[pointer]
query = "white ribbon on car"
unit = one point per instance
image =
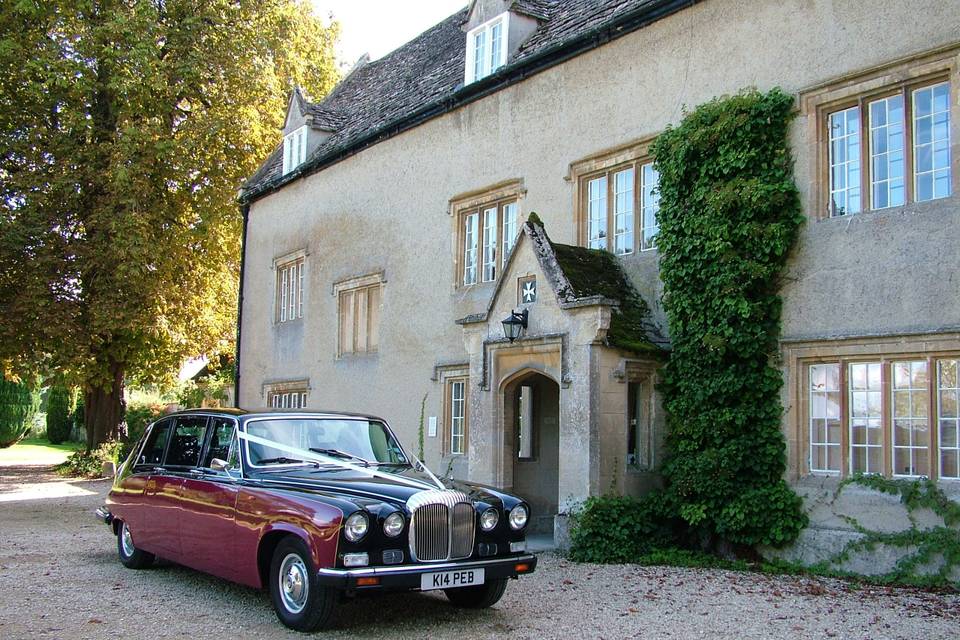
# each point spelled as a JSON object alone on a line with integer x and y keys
{"x": 306, "y": 454}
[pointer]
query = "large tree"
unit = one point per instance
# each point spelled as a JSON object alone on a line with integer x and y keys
{"x": 126, "y": 128}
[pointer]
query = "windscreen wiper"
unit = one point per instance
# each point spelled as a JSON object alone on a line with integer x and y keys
{"x": 283, "y": 460}
{"x": 340, "y": 454}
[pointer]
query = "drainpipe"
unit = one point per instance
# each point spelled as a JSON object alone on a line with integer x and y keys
{"x": 245, "y": 212}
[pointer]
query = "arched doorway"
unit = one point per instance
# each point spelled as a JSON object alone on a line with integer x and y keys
{"x": 532, "y": 444}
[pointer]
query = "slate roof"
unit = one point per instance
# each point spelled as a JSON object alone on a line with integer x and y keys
{"x": 592, "y": 276}
{"x": 424, "y": 77}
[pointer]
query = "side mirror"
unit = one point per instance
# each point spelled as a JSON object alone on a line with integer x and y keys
{"x": 219, "y": 465}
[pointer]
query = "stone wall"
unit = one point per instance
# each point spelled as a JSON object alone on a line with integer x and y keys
{"x": 839, "y": 518}
{"x": 387, "y": 209}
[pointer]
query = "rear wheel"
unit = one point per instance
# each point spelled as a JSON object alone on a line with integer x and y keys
{"x": 480, "y": 597}
{"x": 130, "y": 556}
{"x": 300, "y": 601}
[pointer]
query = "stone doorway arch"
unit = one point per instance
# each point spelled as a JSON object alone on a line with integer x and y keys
{"x": 531, "y": 437}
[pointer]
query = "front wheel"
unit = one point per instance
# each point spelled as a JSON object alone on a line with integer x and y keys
{"x": 301, "y": 603}
{"x": 130, "y": 556}
{"x": 479, "y": 597}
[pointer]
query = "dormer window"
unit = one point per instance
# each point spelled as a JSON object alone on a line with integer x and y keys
{"x": 487, "y": 48}
{"x": 294, "y": 149}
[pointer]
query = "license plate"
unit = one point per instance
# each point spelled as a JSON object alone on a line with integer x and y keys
{"x": 451, "y": 579}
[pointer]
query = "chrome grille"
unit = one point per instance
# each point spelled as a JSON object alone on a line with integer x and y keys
{"x": 461, "y": 527}
{"x": 442, "y": 526}
{"x": 431, "y": 535}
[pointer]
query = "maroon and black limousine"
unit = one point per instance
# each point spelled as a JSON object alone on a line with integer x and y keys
{"x": 314, "y": 506}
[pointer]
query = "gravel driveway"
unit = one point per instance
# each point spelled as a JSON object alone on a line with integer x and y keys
{"x": 59, "y": 578}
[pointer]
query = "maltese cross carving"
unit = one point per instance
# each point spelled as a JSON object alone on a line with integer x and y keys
{"x": 528, "y": 290}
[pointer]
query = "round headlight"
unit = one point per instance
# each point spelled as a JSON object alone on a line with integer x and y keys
{"x": 393, "y": 525}
{"x": 356, "y": 526}
{"x": 518, "y": 517}
{"x": 489, "y": 519}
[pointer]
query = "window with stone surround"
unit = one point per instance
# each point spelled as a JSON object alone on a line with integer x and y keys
{"x": 456, "y": 415}
{"x": 358, "y": 314}
{"x": 884, "y": 137}
{"x": 895, "y": 415}
{"x": 487, "y": 227}
{"x": 288, "y": 299}
{"x": 287, "y": 395}
{"x": 617, "y": 199}
{"x": 287, "y": 399}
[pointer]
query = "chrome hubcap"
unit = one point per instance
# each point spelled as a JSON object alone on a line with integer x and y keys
{"x": 126, "y": 540}
{"x": 294, "y": 584}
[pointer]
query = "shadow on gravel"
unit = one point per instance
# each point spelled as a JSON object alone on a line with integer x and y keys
{"x": 13, "y": 477}
{"x": 424, "y": 611}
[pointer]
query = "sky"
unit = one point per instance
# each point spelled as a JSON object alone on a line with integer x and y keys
{"x": 378, "y": 27}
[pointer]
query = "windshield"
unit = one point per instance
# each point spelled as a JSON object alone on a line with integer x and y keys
{"x": 354, "y": 441}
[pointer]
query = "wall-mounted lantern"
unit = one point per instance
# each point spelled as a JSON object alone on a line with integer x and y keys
{"x": 514, "y": 325}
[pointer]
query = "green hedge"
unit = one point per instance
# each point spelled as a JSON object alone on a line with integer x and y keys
{"x": 19, "y": 402}
{"x": 59, "y": 414}
{"x": 619, "y": 529}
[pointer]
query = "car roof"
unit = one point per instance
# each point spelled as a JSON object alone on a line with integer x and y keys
{"x": 247, "y": 414}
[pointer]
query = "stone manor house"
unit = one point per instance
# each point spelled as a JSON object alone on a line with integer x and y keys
{"x": 389, "y": 235}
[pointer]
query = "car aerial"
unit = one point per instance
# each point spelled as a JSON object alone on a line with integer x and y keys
{"x": 316, "y": 507}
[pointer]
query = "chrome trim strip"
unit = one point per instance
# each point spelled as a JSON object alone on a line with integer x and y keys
{"x": 422, "y": 568}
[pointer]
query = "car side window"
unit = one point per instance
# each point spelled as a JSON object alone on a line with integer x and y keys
{"x": 152, "y": 453}
{"x": 220, "y": 440}
{"x": 187, "y": 441}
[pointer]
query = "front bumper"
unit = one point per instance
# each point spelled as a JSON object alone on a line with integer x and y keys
{"x": 408, "y": 576}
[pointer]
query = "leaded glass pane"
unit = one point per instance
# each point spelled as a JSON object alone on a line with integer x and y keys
{"x": 824, "y": 414}
{"x": 910, "y": 424}
{"x": 283, "y": 294}
{"x": 623, "y": 211}
{"x": 470, "y": 248}
{"x": 886, "y": 152}
{"x": 479, "y": 54}
{"x": 931, "y": 141}
{"x": 948, "y": 464}
{"x": 509, "y": 230}
{"x": 844, "y": 129}
{"x": 597, "y": 213}
{"x": 866, "y": 436}
{"x": 948, "y": 399}
{"x": 457, "y": 416}
{"x": 489, "y": 244}
{"x": 650, "y": 205}
{"x": 496, "y": 44}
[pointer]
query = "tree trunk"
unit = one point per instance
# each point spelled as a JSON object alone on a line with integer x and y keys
{"x": 104, "y": 409}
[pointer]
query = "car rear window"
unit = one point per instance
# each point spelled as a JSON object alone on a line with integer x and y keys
{"x": 156, "y": 442}
{"x": 187, "y": 441}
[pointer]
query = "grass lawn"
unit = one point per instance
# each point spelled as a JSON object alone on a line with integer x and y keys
{"x": 37, "y": 451}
